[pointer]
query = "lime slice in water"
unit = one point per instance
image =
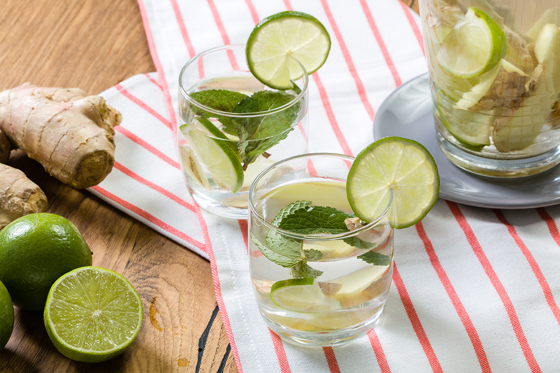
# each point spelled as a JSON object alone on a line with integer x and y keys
{"x": 215, "y": 152}
{"x": 301, "y": 295}
{"x": 92, "y": 314}
{"x": 401, "y": 165}
{"x": 474, "y": 46}
{"x": 278, "y": 42}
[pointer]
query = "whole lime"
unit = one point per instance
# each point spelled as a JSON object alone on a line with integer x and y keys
{"x": 6, "y": 316}
{"x": 35, "y": 250}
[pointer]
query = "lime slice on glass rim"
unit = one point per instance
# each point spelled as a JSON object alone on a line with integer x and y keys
{"x": 280, "y": 41}
{"x": 92, "y": 314}
{"x": 301, "y": 295}
{"x": 394, "y": 164}
{"x": 474, "y": 46}
{"x": 214, "y": 151}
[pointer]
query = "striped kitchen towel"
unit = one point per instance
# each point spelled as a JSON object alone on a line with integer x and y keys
{"x": 473, "y": 289}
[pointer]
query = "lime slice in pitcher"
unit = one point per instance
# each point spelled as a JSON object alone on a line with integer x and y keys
{"x": 301, "y": 295}
{"x": 278, "y": 42}
{"x": 474, "y": 46}
{"x": 394, "y": 164}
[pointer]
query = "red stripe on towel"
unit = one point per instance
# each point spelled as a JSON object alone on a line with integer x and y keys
{"x": 182, "y": 28}
{"x": 413, "y": 25}
{"x": 153, "y": 186}
{"x": 459, "y": 308}
{"x": 244, "y": 232}
{"x": 147, "y": 146}
{"x": 149, "y": 217}
{"x": 331, "y": 359}
{"x": 349, "y": 61}
{"x": 155, "y": 82}
{"x": 475, "y": 245}
{"x": 143, "y": 105}
{"x": 381, "y": 43}
{"x": 223, "y": 33}
{"x": 533, "y": 263}
{"x": 415, "y": 321}
{"x": 280, "y": 352}
{"x": 378, "y": 350}
{"x": 551, "y": 224}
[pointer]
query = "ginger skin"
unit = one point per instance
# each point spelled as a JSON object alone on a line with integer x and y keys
{"x": 69, "y": 133}
{"x": 18, "y": 195}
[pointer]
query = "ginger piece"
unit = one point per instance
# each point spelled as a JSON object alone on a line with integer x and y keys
{"x": 520, "y": 128}
{"x": 554, "y": 116}
{"x": 5, "y": 148}
{"x": 18, "y": 195}
{"x": 69, "y": 133}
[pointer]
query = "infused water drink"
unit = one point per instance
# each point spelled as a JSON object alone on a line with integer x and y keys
{"x": 232, "y": 127}
{"x": 320, "y": 275}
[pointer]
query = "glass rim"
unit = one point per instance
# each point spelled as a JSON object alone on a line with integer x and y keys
{"x": 238, "y": 115}
{"x": 320, "y": 236}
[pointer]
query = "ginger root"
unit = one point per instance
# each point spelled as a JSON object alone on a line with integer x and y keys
{"x": 68, "y": 133}
{"x": 18, "y": 195}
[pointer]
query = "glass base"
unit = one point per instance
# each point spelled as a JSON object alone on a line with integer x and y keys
{"x": 326, "y": 338}
{"x": 499, "y": 168}
{"x": 219, "y": 209}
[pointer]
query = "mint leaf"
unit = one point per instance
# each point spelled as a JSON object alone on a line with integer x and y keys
{"x": 302, "y": 270}
{"x": 289, "y": 209}
{"x": 260, "y": 133}
{"x": 284, "y": 260}
{"x": 315, "y": 219}
{"x": 359, "y": 244}
{"x": 312, "y": 255}
{"x": 286, "y": 246}
{"x": 375, "y": 258}
{"x": 218, "y": 99}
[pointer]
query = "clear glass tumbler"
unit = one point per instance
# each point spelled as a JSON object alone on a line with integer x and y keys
{"x": 233, "y": 127}
{"x": 494, "y": 67}
{"x": 316, "y": 287}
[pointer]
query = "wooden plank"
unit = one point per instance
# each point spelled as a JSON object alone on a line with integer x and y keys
{"x": 95, "y": 45}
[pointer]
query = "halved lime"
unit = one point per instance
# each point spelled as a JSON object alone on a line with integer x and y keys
{"x": 401, "y": 165}
{"x": 214, "y": 151}
{"x": 301, "y": 295}
{"x": 279, "y": 41}
{"x": 474, "y": 46}
{"x": 92, "y": 314}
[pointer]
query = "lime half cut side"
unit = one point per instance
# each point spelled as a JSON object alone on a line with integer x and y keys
{"x": 92, "y": 314}
{"x": 474, "y": 46}
{"x": 215, "y": 154}
{"x": 401, "y": 165}
{"x": 280, "y": 41}
{"x": 301, "y": 295}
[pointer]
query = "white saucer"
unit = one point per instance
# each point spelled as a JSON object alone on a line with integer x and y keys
{"x": 407, "y": 112}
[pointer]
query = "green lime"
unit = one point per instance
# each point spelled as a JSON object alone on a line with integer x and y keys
{"x": 278, "y": 42}
{"x": 92, "y": 314}
{"x": 394, "y": 164}
{"x": 471, "y": 128}
{"x": 6, "y": 316}
{"x": 301, "y": 295}
{"x": 35, "y": 250}
{"x": 474, "y": 46}
{"x": 214, "y": 151}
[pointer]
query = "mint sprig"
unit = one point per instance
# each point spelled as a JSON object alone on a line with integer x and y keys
{"x": 301, "y": 217}
{"x": 257, "y": 134}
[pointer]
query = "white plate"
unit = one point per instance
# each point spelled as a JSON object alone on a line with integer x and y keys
{"x": 407, "y": 112}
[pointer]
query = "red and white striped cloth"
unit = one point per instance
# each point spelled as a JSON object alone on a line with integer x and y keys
{"x": 473, "y": 289}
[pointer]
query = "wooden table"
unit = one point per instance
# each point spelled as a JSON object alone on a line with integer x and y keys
{"x": 72, "y": 43}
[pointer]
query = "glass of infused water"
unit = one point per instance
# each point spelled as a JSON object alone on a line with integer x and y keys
{"x": 494, "y": 69}
{"x": 233, "y": 126}
{"x": 320, "y": 274}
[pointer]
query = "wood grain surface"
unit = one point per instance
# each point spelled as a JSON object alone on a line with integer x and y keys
{"x": 71, "y": 43}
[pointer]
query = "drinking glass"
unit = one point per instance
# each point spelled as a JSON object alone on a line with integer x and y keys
{"x": 505, "y": 120}
{"x": 353, "y": 269}
{"x": 222, "y": 151}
